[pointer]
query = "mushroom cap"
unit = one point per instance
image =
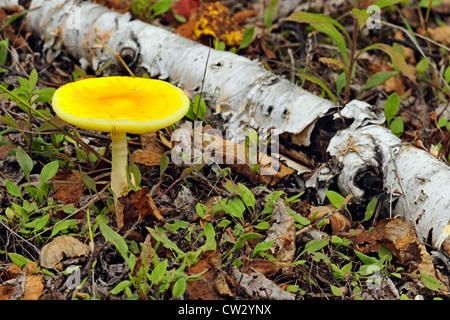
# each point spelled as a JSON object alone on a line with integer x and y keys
{"x": 120, "y": 104}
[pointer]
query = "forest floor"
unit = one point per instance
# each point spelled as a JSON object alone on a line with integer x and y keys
{"x": 215, "y": 232}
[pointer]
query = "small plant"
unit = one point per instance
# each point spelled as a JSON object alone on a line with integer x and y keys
{"x": 395, "y": 123}
{"x": 149, "y": 275}
{"x": 341, "y": 37}
{"x": 147, "y": 10}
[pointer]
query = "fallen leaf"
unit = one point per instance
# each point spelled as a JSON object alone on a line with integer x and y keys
{"x": 151, "y": 152}
{"x": 63, "y": 246}
{"x": 339, "y": 222}
{"x": 257, "y": 286}
{"x": 439, "y": 34}
{"x": 137, "y": 205}
{"x": 185, "y": 7}
{"x": 212, "y": 285}
{"x": 33, "y": 287}
{"x": 269, "y": 269}
{"x": 22, "y": 287}
{"x": 236, "y": 156}
{"x": 5, "y": 149}
{"x": 401, "y": 239}
{"x": 408, "y": 53}
{"x": 69, "y": 192}
{"x": 282, "y": 231}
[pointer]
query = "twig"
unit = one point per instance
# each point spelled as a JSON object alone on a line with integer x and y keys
{"x": 310, "y": 226}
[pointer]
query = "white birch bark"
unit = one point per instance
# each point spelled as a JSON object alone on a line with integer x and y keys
{"x": 417, "y": 185}
{"x": 9, "y": 3}
{"x": 252, "y": 96}
{"x": 242, "y": 89}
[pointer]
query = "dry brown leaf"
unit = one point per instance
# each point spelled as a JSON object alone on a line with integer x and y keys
{"x": 401, "y": 239}
{"x": 440, "y": 34}
{"x": 236, "y": 156}
{"x": 151, "y": 152}
{"x": 137, "y": 204}
{"x": 63, "y": 246}
{"x": 270, "y": 269}
{"x": 339, "y": 222}
{"x": 33, "y": 287}
{"x": 212, "y": 285}
{"x": 69, "y": 192}
{"x": 282, "y": 231}
{"x": 407, "y": 52}
{"x": 257, "y": 286}
{"x": 394, "y": 84}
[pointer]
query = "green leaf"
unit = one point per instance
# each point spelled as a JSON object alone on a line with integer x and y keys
{"x": 262, "y": 246}
{"x": 159, "y": 272}
{"x": 432, "y": 283}
{"x": 422, "y": 65}
{"x": 335, "y": 64}
{"x": 332, "y": 32}
{"x": 247, "y": 37}
{"x": 179, "y": 287}
{"x": 243, "y": 239}
{"x": 25, "y": 161}
{"x": 362, "y": 16}
{"x": 197, "y": 108}
{"x": 316, "y": 18}
{"x": 4, "y": 51}
{"x": 45, "y": 94}
{"x": 396, "y": 57}
{"x": 397, "y": 126}
{"x": 370, "y": 209}
{"x": 64, "y": 225}
{"x": 366, "y": 259}
{"x": 263, "y": 225}
{"x": 13, "y": 189}
{"x": 377, "y": 79}
{"x": 201, "y": 210}
{"x": 320, "y": 83}
{"x": 89, "y": 182}
{"x": 121, "y": 286}
{"x": 335, "y": 198}
{"x": 49, "y": 171}
{"x": 115, "y": 238}
{"x": 246, "y": 196}
{"x": 336, "y": 291}
{"x": 160, "y": 7}
{"x": 159, "y": 235}
{"x": 32, "y": 80}
{"x": 385, "y": 3}
{"x": 391, "y": 106}
{"x": 19, "y": 260}
{"x": 163, "y": 163}
{"x": 315, "y": 245}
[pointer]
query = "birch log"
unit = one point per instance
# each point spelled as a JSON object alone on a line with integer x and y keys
{"x": 366, "y": 158}
{"x": 373, "y": 160}
{"x": 242, "y": 89}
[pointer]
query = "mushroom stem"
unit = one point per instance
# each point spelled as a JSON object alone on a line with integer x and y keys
{"x": 119, "y": 183}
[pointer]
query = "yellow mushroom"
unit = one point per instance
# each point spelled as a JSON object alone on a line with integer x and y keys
{"x": 120, "y": 105}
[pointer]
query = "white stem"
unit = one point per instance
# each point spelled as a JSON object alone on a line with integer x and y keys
{"x": 119, "y": 183}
